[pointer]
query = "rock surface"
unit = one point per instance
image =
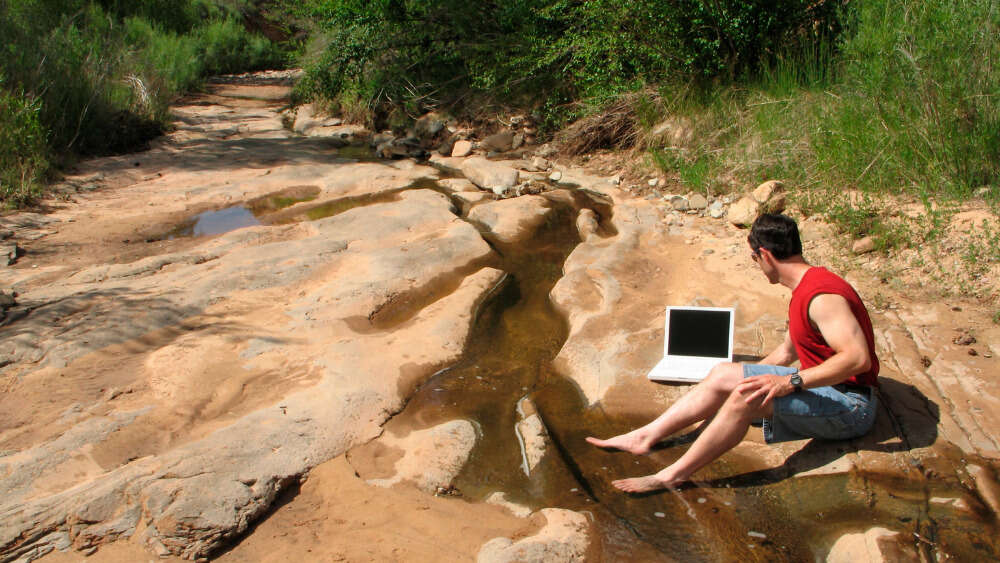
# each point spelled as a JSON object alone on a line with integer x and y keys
{"x": 563, "y": 538}
{"x": 493, "y": 176}
{"x": 432, "y": 457}
{"x": 512, "y": 220}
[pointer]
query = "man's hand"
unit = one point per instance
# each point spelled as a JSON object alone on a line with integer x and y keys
{"x": 766, "y": 386}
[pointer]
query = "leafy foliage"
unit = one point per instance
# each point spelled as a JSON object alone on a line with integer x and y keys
{"x": 416, "y": 54}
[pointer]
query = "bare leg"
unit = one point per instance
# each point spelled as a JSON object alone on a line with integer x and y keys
{"x": 698, "y": 404}
{"x": 722, "y": 434}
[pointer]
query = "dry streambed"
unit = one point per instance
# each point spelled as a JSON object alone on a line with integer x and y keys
{"x": 243, "y": 306}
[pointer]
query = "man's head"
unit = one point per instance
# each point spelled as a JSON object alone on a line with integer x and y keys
{"x": 776, "y": 233}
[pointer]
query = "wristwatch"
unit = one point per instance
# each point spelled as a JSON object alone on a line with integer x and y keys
{"x": 797, "y": 381}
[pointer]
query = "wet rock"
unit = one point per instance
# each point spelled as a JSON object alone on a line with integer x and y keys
{"x": 500, "y": 499}
{"x": 565, "y": 537}
{"x": 698, "y": 202}
{"x": 498, "y": 142}
{"x": 586, "y": 223}
{"x": 493, "y": 176}
{"x": 512, "y": 220}
{"x": 532, "y": 433}
{"x": 877, "y": 545}
{"x": 432, "y": 457}
{"x": 863, "y": 245}
{"x": 986, "y": 485}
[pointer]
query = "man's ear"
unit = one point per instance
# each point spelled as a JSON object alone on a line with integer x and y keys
{"x": 766, "y": 253}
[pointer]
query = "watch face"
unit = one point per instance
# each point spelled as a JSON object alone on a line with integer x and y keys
{"x": 796, "y": 380}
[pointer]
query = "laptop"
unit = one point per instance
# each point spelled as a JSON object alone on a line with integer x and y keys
{"x": 695, "y": 340}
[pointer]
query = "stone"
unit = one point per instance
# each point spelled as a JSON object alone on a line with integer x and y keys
{"x": 863, "y": 245}
{"x": 381, "y": 138}
{"x": 462, "y": 148}
{"x": 987, "y": 485}
{"x": 447, "y": 146}
{"x": 492, "y": 176}
{"x": 877, "y": 545}
{"x": 499, "y": 142}
{"x": 433, "y": 457}
{"x": 586, "y": 223}
{"x": 679, "y": 203}
{"x": 546, "y": 151}
{"x": 564, "y": 538}
{"x": 430, "y": 124}
{"x": 743, "y": 212}
{"x": 517, "y": 141}
{"x": 7, "y": 299}
{"x": 512, "y": 220}
{"x": 541, "y": 163}
{"x": 716, "y": 210}
{"x": 814, "y": 229}
{"x": 697, "y": 201}
{"x": 472, "y": 197}
{"x": 555, "y": 176}
{"x": 771, "y": 196}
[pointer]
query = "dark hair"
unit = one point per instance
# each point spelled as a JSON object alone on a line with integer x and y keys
{"x": 777, "y": 233}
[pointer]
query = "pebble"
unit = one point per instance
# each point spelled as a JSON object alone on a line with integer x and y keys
{"x": 702, "y": 500}
{"x": 659, "y": 515}
{"x": 757, "y": 535}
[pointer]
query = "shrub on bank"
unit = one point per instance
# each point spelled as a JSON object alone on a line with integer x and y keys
{"x": 100, "y": 75}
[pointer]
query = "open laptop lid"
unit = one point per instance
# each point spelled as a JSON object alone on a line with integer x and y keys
{"x": 699, "y": 332}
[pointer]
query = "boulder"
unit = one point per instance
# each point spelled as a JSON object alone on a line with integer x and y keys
{"x": 743, "y": 212}
{"x": 716, "y": 210}
{"x": 499, "y": 142}
{"x": 771, "y": 196}
{"x": 493, "y": 176}
{"x": 429, "y": 125}
{"x": 565, "y": 537}
{"x": 462, "y": 148}
{"x": 697, "y": 201}
{"x": 512, "y": 220}
{"x": 679, "y": 203}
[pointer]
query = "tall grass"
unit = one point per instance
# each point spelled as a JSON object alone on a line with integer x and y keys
{"x": 97, "y": 77}
{"x": 906, "y": 103}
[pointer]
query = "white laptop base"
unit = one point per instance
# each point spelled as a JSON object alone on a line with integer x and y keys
{"x": 702, "y": 338}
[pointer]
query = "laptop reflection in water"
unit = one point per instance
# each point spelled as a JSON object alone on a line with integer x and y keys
{"x": 695, "y": 340}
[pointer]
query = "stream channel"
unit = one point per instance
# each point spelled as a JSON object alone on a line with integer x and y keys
{"x": 762, "y": 516}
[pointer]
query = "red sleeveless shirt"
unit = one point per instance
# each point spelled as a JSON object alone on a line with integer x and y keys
{"x": 809, "y": 342}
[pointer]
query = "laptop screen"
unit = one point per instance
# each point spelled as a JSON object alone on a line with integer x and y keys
{"x": 696, "y": 332}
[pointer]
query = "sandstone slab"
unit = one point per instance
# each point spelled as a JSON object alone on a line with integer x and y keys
{"x": 493, "y": 176}
{"x": 512, "y": 220}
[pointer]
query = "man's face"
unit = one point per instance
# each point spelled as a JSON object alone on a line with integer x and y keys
{"x": 765, "y": 261}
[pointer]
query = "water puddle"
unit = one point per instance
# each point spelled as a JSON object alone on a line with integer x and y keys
{"x": 215, "y": 222}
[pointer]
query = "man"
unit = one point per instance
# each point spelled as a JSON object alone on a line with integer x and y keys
{"x": 830, "y": 396}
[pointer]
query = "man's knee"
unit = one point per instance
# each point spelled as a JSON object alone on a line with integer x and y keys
{"x": 725, "y": 376}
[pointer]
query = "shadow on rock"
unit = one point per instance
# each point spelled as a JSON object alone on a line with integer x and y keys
{"x": 907, "y": 420}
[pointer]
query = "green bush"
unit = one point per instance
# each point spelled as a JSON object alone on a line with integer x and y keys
{"x": 99, "y": 75}
{"x": 22, "y": 148}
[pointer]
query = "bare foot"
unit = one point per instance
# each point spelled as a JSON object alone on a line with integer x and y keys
{"x": 632, "y": 442}
{"x": 645, "y": 484}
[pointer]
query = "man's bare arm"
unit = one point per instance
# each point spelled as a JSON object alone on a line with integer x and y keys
{"x": 841, "y": 330}
{"x": 783, "y": 355}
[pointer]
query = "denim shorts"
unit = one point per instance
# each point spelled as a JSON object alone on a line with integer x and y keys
{"x": 839, "y": 412}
